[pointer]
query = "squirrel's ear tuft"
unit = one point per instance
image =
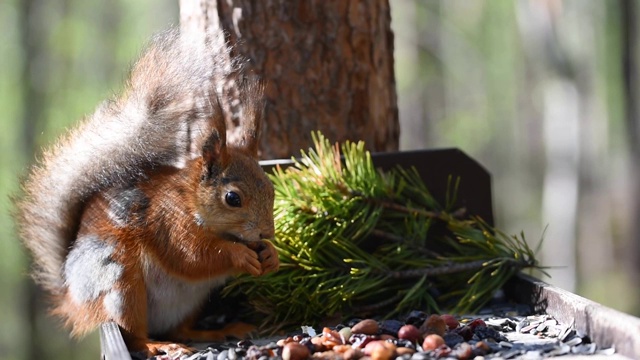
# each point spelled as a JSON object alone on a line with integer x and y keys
{"x": 252, "y": 112}
{"x": 214, "y": 149}
{"x": 214, "y": 154}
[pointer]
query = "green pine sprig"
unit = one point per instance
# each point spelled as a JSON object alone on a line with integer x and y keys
{"x": 353, "y": 241}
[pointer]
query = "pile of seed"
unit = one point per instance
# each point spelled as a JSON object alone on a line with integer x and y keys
{"x": 418, "y": 337}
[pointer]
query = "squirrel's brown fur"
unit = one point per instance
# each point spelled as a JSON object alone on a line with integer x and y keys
{"x": 145, "y": 197}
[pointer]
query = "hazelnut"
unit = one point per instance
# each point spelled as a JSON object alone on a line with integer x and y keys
{"x": 367, "y": 327}
{"x": 434, "y": 325}
{"x": 432, "y": 342}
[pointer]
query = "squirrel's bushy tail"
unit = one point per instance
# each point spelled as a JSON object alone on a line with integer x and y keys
{"x": 157, "y": 120}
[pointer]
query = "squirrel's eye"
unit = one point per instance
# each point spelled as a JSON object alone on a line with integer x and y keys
{"x": 232, "y": 199}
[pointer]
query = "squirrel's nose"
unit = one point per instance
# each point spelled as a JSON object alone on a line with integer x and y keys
{"x": 268, "y": 233}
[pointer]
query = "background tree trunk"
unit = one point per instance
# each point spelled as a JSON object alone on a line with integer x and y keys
{"x": 327, "y": 65}
{"x": 628, "y": 17}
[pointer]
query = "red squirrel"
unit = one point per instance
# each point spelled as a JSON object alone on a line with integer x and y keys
{"x": 140, "y": 211}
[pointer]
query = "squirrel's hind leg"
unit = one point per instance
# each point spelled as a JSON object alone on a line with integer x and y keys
{"x": 148, "y": 348}
{"x": 91, "y": 294}
{"x": 236, "y": 330}
{"x": 186, "y": 331}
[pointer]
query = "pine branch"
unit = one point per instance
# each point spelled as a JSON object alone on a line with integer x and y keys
{"x": 438, "y": 270}
{"x": 377, "y": 306}
{"x": 400, "y": 240}
{"x": 460, "y": 213}
{"x": 348, "y": 235}
{"x": 451, "y": 269}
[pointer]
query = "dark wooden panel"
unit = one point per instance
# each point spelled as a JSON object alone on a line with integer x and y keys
{"x": 436, "y": 167}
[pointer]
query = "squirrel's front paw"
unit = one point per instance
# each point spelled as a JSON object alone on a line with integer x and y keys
{"x": 246, "y": 260}
{"x": 268, "y": 256}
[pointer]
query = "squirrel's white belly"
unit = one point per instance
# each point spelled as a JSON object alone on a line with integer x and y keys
{"x": 170, "y": 300}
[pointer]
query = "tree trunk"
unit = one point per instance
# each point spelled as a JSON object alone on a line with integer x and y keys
{"x": 628, "y": 17}
{"x": 327, "y": 65}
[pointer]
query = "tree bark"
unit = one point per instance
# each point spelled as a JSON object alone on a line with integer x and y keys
{"x": 629, "y": 32}
{"x": 327, "y": 65}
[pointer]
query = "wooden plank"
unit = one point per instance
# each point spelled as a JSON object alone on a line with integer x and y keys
{"x": 604, "y": 326}
{"x": 112, "y": 344}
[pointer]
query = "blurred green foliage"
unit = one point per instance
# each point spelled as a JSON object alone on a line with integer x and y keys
{"x": 534, "y": 90}
{"x": 58, "y": 60}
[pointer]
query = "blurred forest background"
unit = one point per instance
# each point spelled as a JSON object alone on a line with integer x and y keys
{"x": 540, "y": 92}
